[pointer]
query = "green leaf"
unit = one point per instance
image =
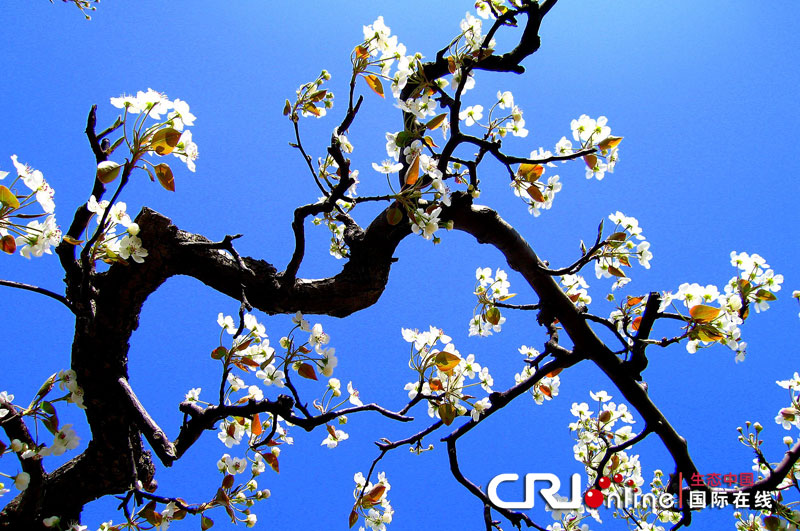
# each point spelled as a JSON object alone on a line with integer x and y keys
{"x": 311, "y": 108}
{"x": 448, "y": 413}
{"x": 44, "y": 389}
{"x": 616, "y": 272}
{"x": 115, "y": 145}
{"x": 707, "y": 334}
{"x": 764, "y": 295}
{"x": 165, "y": 140}
{"x": 107, "y": 171}
{"x": 394, "y": 216}
{"x": 51, "y": 423}
{"x": 48, "y": 408}
{"x": 436, "y": 121}
{"x": 317, "y": 96}
{"x": 8, "y": 198}
{"x": 704, "y": 314}
{"x": 165, "y": 177}
{"x": 492, "y": 315}
{"x": 404, "y": 138}
{"x": 530, "y": 172}
{"x": 446, "y": 361}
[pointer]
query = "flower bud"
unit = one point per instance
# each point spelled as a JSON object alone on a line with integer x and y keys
{"x": 21, "y": 480}
{"x": 133, "y": 229}
{"x": 788, "y": 441}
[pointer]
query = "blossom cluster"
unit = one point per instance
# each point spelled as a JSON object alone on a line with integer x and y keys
{"x": 510, "y": 121}
{"x": 527, "y": 185}
{"x": 371, "y": 502}
{"x": 619, "y": 249}
{"x": 575, "y": 287}
{"x": 36, "y": 237}
{"x": 42, "y": 410}
{"x": 311, "y": 99}
{"x": 547, "y": 387}
{"x": 790, "y": 416}
{"x": 165, "y": 137}
{"x": 388, "y": 52}
{"x": 68, "y": 381}
{"x": 596, "y": 433}
{"x": 714, "y": 316}
{"x": 424, "y": 218}
{"x": 490, "y": 290}
{"x": 112, "y": 246}
{"x": 328, "y": 172}
{"x": 21, "y": 479}
{"x": 442, "y": 374}
{"x": 332, "y": 392}
{"x": 250, "y": 353}
{"x": 590, "y": 134}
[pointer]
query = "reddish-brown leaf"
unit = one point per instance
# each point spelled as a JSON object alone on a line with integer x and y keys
{"x": 306, "y": 370}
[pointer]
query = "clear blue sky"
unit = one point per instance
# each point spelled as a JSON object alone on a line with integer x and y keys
{"x": 703, "y": 92}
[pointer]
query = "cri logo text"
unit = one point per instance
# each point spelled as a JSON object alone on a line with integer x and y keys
{"x": 530, "y": 490}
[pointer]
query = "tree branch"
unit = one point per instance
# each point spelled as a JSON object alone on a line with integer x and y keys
{"x": 19, "y": 285}
{"x": 155, "y": 436}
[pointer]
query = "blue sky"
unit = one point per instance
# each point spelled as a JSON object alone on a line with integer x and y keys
{"x": 704, "y": 94}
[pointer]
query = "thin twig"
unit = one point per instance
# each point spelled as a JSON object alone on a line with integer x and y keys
{"x": 19, "y": 285}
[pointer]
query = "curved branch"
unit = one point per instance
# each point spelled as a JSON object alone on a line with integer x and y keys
{"x": 488, "y": 227}
{"x": 19, "y": 285}
{"x": 513, "y": 516}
